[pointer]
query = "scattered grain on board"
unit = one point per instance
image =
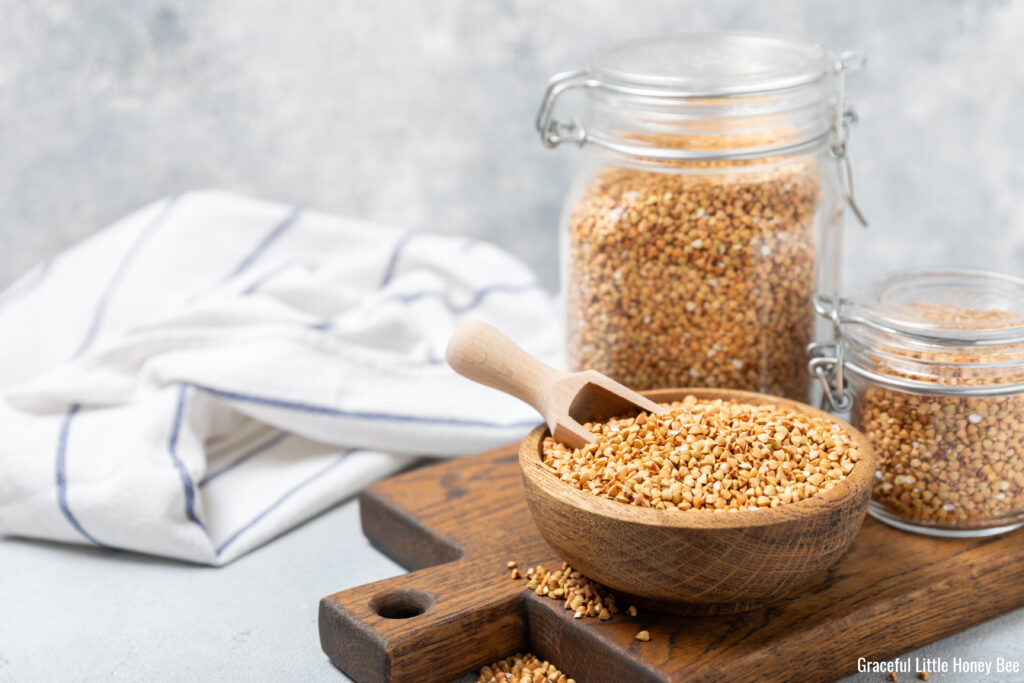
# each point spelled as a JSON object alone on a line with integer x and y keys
{"x": 643, "y": 636}
{"x": 952, "y": 460}
{"x": 893, "y": 676}
{"x": 923, "y": 675}
{"x": 522, "y": 668}
{"x": 579, "y": 594}
{"x": 696, "y": 273}
{"x": 714, "y": 455}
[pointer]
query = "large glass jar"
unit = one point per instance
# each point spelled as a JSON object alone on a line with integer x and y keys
{"x": 705, "y": 214}
{"x": 931, "y": 365}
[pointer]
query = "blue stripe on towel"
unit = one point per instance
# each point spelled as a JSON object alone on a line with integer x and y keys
{"x": 172, "y": 449}
{"x": 475, "y": 301}
{"x": 389, "y": 270}
{"x": 266, "y": 277}
{"x": 360, "y": 415}
{"x": 62, "y": 480}
{"x": 271, "y": 237}
{"x": 277, "y": 503}
{"x": 458, "y": 309}
{"x": 251, "y": 453}
{"x": 119, "y": 272}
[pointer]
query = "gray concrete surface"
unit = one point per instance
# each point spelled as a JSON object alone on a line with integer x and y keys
{"x": 417, "y": 114}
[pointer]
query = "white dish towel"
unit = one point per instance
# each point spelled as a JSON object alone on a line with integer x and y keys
{"x": 212, "y": 370}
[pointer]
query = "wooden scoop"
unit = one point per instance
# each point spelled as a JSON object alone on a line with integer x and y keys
{"x": 565, "y": 399}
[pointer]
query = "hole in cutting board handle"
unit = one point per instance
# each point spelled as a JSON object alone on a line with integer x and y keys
{"x": 401, "y": 604}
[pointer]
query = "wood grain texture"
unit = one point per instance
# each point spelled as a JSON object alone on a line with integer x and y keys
{"x": 699, "y": 562}
{"x": 564, "y": 399}
{"x": 892, "y": 591}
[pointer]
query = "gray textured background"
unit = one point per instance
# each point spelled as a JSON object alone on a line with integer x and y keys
{"x": 420, "y": 113}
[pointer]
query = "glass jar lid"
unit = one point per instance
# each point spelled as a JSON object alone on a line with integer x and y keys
{"x": 713, "y": 64}
{"x": 699, "y": 96}
{"x": 949, "y": 331}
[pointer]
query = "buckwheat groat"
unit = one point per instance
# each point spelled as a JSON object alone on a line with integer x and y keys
{"x": 948, "y": 459}
{"x": 713, "y": 455}
{"x": 695, "y": 275}
{"x": 522, "y": 668}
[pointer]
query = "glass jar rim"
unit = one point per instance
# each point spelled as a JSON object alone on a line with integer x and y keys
{"x": 938, "y": 331}
{"x": 942, "y": 307}
{"x": 707, "y": 96}
{"x": 712, "y": 64}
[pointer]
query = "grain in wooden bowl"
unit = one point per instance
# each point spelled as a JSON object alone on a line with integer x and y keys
{"x": 713, "y": 559}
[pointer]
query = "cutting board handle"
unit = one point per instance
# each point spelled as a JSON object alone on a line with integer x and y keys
{"x": 434, "y": 624}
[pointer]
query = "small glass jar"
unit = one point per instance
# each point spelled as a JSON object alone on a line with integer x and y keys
{"x": 705, "y": 214}
{"x": 931, "y": 366}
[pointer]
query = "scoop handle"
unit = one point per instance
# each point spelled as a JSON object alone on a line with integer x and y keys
{"x": 483, "y": 354}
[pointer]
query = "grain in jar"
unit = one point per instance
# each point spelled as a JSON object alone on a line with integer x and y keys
{"x": 705, "y": 214}
{"x": 698, "y": 276}
{"x": 935, "y": 366}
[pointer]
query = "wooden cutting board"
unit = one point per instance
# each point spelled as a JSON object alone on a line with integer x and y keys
{"x": 456, "y": 524}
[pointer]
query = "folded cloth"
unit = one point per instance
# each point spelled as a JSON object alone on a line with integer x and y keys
{"x": 212, "y": 370}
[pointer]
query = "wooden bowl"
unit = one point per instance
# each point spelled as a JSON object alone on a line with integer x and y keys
{"x": 698, "y": 562}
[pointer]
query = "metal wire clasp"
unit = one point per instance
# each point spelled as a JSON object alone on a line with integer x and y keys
{"x": 552, "y": 131}
{"x": 846, "y": 119}
{"x": 827, "y": 359}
